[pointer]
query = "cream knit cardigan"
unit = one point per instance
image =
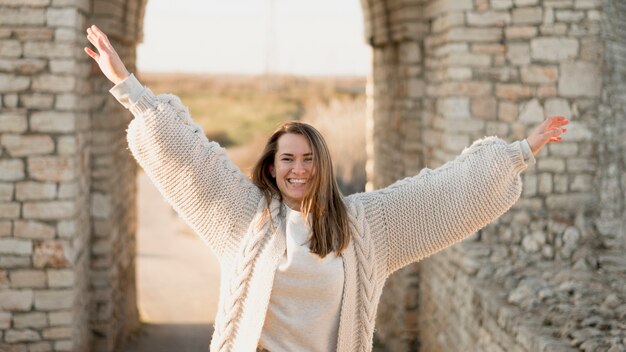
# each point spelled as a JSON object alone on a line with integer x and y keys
{"x": 392, "y": 227}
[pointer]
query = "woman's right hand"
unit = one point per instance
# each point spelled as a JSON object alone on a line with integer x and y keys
{"x": 106, "y": 57}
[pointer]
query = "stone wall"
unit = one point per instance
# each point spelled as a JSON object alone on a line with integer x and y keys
{"x": 67, "y": 212}
{"x": 549, "y": 274}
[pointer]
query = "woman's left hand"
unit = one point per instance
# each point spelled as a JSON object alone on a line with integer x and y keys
{"x": 548, "y": 131}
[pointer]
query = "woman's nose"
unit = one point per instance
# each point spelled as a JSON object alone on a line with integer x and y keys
{"x": 298, "y": 168}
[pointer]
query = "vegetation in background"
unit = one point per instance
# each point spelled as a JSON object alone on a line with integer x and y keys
{"x": 240, "y": 112}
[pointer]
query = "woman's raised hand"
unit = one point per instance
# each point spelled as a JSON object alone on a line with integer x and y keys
{"x": 106, "y": 57}
{"x": 548, "y": 131}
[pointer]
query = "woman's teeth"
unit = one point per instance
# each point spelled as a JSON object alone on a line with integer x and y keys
{"x": 296, "y": 181}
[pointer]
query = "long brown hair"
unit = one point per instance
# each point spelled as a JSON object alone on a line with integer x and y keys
{"x": 322, "y": 200}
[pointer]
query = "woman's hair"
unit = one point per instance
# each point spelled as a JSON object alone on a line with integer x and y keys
{"x": 322, "y": 200}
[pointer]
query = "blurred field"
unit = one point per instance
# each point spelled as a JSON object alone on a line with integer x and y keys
{"x": 240, "y": 112}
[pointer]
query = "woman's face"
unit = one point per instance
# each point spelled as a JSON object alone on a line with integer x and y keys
{"x": 293, "y": 168}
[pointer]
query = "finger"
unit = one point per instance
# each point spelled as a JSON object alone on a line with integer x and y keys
{"x": 91, "y": 53}
{"x": 92, "y": 39}
{"x": 98, "y": 31}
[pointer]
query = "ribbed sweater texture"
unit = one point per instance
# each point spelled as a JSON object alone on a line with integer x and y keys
{"x": 391, "y": 227}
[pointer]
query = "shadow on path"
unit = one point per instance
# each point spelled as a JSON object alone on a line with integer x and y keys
{"x": 171, "y": 338}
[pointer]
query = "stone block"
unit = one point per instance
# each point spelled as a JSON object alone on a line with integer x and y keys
{"x": 557, "y": 107}
{"x": 11, "y": 170}
{"x": 410, "y": 53}
{"x": 35, "y": 191}
{"x": 57, "y": 333}
{"x": 468, "y": 60}
{"x": 539, "y": 74}
{"x": 447, "y": 21}
{"x": 553, "y": 49}
{"x": 67, "y": 228}
{"x": 68, "y": 190}
{"x": 545, "y": 183}
{"x": 528, "y": 15}
{"x": 588, "y": 4}
{"x": 518, "y": 53}
{"x": 435, "y": 8}
{"x": 16, "y": 300}
{"x": 6, "y": 192}
{"x": 49, "y": 50}
{"x": 454, "y": 108}
{"x": 22, "y": 335}
{"x": 54, "y": 83}
{"x": 49, "y": 210}
{"x": 485, "y": 108}
{"x": 54, "y": 299}
{"x": 501, "y": 4}
{"x": 513, "y": 92}
{"x": 569, "y": 16}
{"x": 27, "y": 279}
{"x": 563, "y": 149}
{"x": 26, "y": 145}
{"x": 23, "y": 66}
{"x": 65, "y": 345}
{"x": 51, "y": 254}
{"x": 489, "y": 48}
{"x": 15, "y": 246}
{"x": 80, "y": 4}
{"x": 416, "y": 88}
{"x": 10, "y": 100}
{"x": 64, "y": 17}
{"x": 580, "y": 79}
{"x": 37, "y": 101}
{"x": 551, "y": 164}
{"x": 488, "y": 18}
{"x": 507, "y": 111}
{"x": 53, "y": 121}
{"x": 61, "y": 278}
{"x": 9, "y": 210}
{"x": 578, "y": 132}
{"x": 5, "y": 320}
{"x": 25, "y": 3}
{"x": 22, "y": 16}
{"x": 570, "y": 202}
{"x": 61, "y": 317}
{"x": 553, "y": 30}
{"x": 67, "y": 34}
{"x": 520, "y": 32}
{"x": 458, "y": 73}
{"x": 34, "y": 230}
{"x": 466, "y": 88}
{"x": 465, "y": 34}
{"x": 66, "y": 145}
{"x": 546, "y": 91}
{"x": 13, "y": 122}
{"x": 582, "y": 183}
{"x": 10, "y": 48}
{"x": 10, "y": 83}
{"x": 6, "y": 229}
{"x": 52, "y": 168}
{"x": 522, "y": 3}
{"x": 44, "y": 346}
{"x": 64, "y": 66}
{"x": 34, "y": 34}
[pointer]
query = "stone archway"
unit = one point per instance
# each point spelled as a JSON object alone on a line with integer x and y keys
{"x": 444, "y": 73}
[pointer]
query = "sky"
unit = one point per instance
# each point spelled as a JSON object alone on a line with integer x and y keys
{"x": 304, "y": 37}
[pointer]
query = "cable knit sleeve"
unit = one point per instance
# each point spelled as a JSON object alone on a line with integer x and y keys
{"x": 421, "y": 215}
{"x": 193, "y": 174}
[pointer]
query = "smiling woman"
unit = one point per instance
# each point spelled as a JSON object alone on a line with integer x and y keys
{"x": 268, "y": 300}
{"x": 287, "y": 37}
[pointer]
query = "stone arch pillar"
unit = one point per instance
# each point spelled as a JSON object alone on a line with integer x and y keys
{"x": 67, "y": 211}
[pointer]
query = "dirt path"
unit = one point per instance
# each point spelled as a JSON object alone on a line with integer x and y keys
{"x": 178, "y": 279}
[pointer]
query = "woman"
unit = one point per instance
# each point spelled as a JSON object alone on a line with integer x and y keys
{"x": 302, "y": 267}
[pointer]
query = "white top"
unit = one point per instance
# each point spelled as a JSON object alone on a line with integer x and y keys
{"x": 303, "y": 312}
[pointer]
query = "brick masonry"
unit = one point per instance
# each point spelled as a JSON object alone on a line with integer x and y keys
{"x": 547, "y": 276}
{"x": 67, "y": 190}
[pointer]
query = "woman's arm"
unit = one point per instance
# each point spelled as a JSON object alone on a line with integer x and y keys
{"x": 194, "y": 175}
{"x": 421, "y": 215}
